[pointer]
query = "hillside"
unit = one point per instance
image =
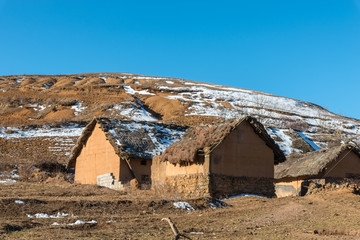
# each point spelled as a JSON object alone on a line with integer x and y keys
{"x": 42, "y": 115}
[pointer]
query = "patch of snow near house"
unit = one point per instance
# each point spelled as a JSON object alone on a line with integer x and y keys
{"x": 243, "y": 195}
{"x": 8, "y": 181}
{"x": 12, "y": 174}
{"x": 131, "y": 91}
{"x": 77, "y": 222}
{"x": 216, "y": 204}
{"x": 310, "y": 142}
{"x": 44, "y": 215}
{"x": 78, "y": 107}
{"x": 184, "y": 205}
{"x": 134, "y": 113}
{"x": 19, "y": 202}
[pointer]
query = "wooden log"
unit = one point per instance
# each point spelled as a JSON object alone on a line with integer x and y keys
{"x": 173, "y": 227}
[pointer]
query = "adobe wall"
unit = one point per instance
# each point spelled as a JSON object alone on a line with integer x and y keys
{"x": 243, "y": 154}
{"x": 180, "y": 181}
{"x": 288, "y": 188}
{"x": 347, "y": 163}
{"x": 96, "y": 158}
{"x": 223, "y": 185}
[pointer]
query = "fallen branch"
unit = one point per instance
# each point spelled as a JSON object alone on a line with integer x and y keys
{"x": 174, "y": 229}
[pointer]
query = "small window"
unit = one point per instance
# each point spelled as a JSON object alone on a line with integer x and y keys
{"x": 143, "y": 162}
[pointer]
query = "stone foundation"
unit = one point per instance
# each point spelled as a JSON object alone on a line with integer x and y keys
{"x": 184, "y": 186}
{"x": 222, "y": 186}
{"x": 108, "y": 180}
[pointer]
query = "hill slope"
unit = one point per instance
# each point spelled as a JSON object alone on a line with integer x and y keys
{"x": 44, "y": 106}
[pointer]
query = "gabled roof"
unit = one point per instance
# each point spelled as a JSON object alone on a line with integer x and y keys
{"x": 197, "y": 138}
{"x": 312, "y": 163}
{"x": 133, "y": 139}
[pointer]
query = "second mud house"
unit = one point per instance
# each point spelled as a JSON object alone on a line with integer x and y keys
{"x": 220, "y": 160}
{"x": 293, "y": 175}
{"x": 113, "y": 152}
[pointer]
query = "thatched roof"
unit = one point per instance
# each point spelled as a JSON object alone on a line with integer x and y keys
{"x": 197, "y": 138}
{"x": 310, "y": 164}
{"x": 129, "y": 138}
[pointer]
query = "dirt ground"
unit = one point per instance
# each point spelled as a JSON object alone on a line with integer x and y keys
{"x": 325, "y": 215}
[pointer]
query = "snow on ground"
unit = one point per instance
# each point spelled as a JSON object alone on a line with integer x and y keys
{"x": 19, "y": 80}
{"x": 48, "y": 85}
{"x": 69, "y": 130}
{"x": 77, "y": 222}
{"x": 142, "y": 77}
{"x": 308, "y": 140}
{"x": 103, "y": 78}
{"x": 183, "y": 205}
{"x": 133, "y": 112}
{"x": 78, "y": 108}
{"x": 205, "y": 100}
{"x": 12, "y": 174}
{"x": 9, "y": 177}
{"x": 44, "y": 215}
{"x": 169, "y": 82}
{"x": 19, "y": 202}
{"x": 286, "y": 143}
{"x": 243, "y": 195}
{"x": 131, "y": 91}
{"x": 215, "y": 204}
{"x": 8, "y": 181}
{"x": 37, "y": 107}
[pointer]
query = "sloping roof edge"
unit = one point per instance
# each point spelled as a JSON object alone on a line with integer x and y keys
{"x": 188, "y": 147}
{"x": 76, "y": 150}
{"x": 319, "y": 160}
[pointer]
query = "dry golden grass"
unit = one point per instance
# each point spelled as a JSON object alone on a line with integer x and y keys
{"x": 327, "y": 215}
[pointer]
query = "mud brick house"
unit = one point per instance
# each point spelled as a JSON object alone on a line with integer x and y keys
{"x": 113, "y": 152}
{"x": 326, "y": 165}
{"x": 220, "y": 160}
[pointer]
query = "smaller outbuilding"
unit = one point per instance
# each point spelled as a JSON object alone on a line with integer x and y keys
{"x": 224, "y": 159}
{"x": 113, "y": 152}
{"x": 293, "y": 175}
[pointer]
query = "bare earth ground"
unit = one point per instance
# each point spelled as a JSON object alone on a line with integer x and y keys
{"x": 325, "y": 215}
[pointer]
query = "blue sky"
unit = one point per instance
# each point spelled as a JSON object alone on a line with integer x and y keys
{"x": 303, "y": 49}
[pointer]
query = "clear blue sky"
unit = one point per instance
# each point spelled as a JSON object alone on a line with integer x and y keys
{"x": 303, "y": 49}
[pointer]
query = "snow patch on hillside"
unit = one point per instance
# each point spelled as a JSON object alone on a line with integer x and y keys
{"x": 78, "y": 108}
{"x": 132, "y": 112}
{"x": 131, "y": 91}
{"x": 70, "y": 130}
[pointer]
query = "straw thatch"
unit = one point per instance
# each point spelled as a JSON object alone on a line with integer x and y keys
{"x": 200, "y": 137}
{"x": 310, "y": 164}
{"x": 130, "y": 139}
